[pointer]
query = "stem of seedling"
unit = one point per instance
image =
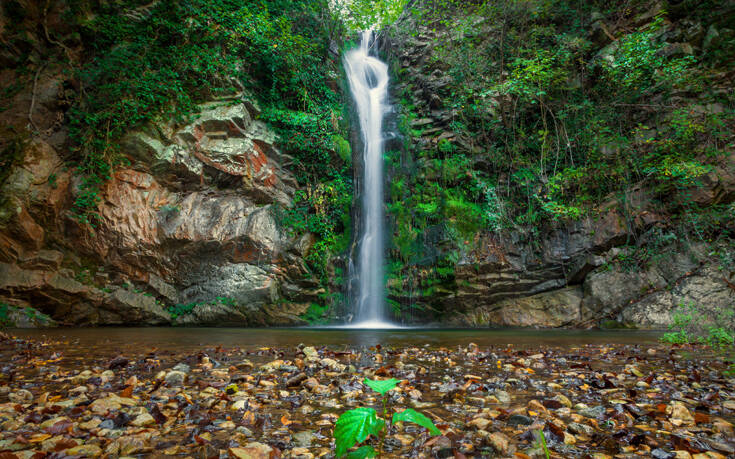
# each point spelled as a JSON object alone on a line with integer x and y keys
{"x": 387, "y": 426}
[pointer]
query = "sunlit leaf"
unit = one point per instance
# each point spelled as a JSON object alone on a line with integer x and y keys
{"x": 382, "y": 386}
{"x": 362, "y": 452}
{"x": 354, "y": 426}
{"x": 410, "y": 415}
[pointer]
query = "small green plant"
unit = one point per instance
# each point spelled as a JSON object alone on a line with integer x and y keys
{"x": 84, "y": 276}
{"x": 355, "y": 426}
{"x": 683, "y": 318}
{"x": 226, "y": 301}
{"x": 719, "y": 337}
{"x": 689, "y": 327}
{"x": 315, "y": 314}
{"x": 730, "y": 372}
{"x": 541, "y": 442}
{"x": 181, "y": 309}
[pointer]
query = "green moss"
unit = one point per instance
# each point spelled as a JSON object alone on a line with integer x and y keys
{"x": 316, "y": 314}
{"x": 5, "y": 315}
{"x": 343, "y": 149}
{"x": 615, "y": 325}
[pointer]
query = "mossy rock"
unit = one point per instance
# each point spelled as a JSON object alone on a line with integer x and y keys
{"x": 23, "y": 317}
{"x": 616, "y": 325}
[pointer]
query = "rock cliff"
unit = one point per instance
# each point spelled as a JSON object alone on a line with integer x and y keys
{"x": 581, "y": 272}
{"x": 191, "y": 222}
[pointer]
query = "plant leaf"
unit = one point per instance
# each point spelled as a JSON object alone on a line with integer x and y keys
{"x": 362, "y": 452}
{"x": 383, "y": 386}
{"x": 354, "y": 426}
{"x": 410, "y": 415}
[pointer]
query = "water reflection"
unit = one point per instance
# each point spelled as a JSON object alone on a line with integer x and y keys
{"x": 116, "y": 339}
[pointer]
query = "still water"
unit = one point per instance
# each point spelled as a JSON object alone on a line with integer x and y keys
{"x": 121, "y": 339}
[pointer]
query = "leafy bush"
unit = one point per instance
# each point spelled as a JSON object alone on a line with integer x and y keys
{"x": 691, "y": 325}
{"x": 640, "y": 62}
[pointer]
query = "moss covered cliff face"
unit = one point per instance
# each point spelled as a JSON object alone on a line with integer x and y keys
{"x": 173, "y": 161}
{"x": 557, "y": 144}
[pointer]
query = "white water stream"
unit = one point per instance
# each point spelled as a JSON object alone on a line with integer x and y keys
{"x": 368, "y": 78}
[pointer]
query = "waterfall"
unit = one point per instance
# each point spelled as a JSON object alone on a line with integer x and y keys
{"x": 368, "y": 79}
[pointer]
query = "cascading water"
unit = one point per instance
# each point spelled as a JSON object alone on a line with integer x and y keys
{"x": 368, "y": 78}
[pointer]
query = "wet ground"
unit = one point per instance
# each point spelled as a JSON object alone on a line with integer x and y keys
{"x": 159, "y": 392}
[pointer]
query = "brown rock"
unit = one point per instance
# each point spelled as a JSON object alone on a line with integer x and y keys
{"x": 500, "y": 442}
{"x": 253, "y": 450}
{"x": 679, "y": 414}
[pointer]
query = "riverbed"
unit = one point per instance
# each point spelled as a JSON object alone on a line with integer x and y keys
{"x": 193, "y": 392}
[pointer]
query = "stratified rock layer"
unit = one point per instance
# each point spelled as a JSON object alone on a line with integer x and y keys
{"x": 193, "y": 220}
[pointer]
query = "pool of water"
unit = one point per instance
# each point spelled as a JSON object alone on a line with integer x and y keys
{"x": 125, "y": 338}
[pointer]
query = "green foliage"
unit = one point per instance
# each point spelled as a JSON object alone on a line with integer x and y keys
{"x": 362, "y": 452}
{"x": 354, "y": 426}
{"x": 315, "y": 314}
{"x": 639, "y": 62}
{"x": 160, "y": 65}
{"x": 548, "y": 124}
{"x": 5, "y": 315}
{"x": 182, "y": 309}
{"x": 410, "y": 415}
{"x": 363, "y": 14}
{"x": 323, "y": 210}
{"x": 30, "y": 313}
{"x": 381, "y": 386}
{"x": 343, "y": 148}
{"x": 730, "y": 372}
{"x": 719, "y": 337}
{"x": 226, "y": 301}
{"x": 322, "y": 163}
{"x": 692, "y": 325}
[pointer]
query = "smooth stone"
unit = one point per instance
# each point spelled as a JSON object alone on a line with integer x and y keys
{"x": 104, "y": 405}
{"x": 502, "y": 396}
{"x": 500, "y": 442}
{"x": 182, "y": 367}
{"x": 658, "y": 453}
{"x": 21, "y": 396}
{"x": 175, "y": 378}
{"x": 595, "y": 412}
{"x": 519, "y": 420}
{"x": 84, "y": 451}
{"x": 143, "y": 420}
{"x": 253, "y": 450}
{"x": 577, "y": 428}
